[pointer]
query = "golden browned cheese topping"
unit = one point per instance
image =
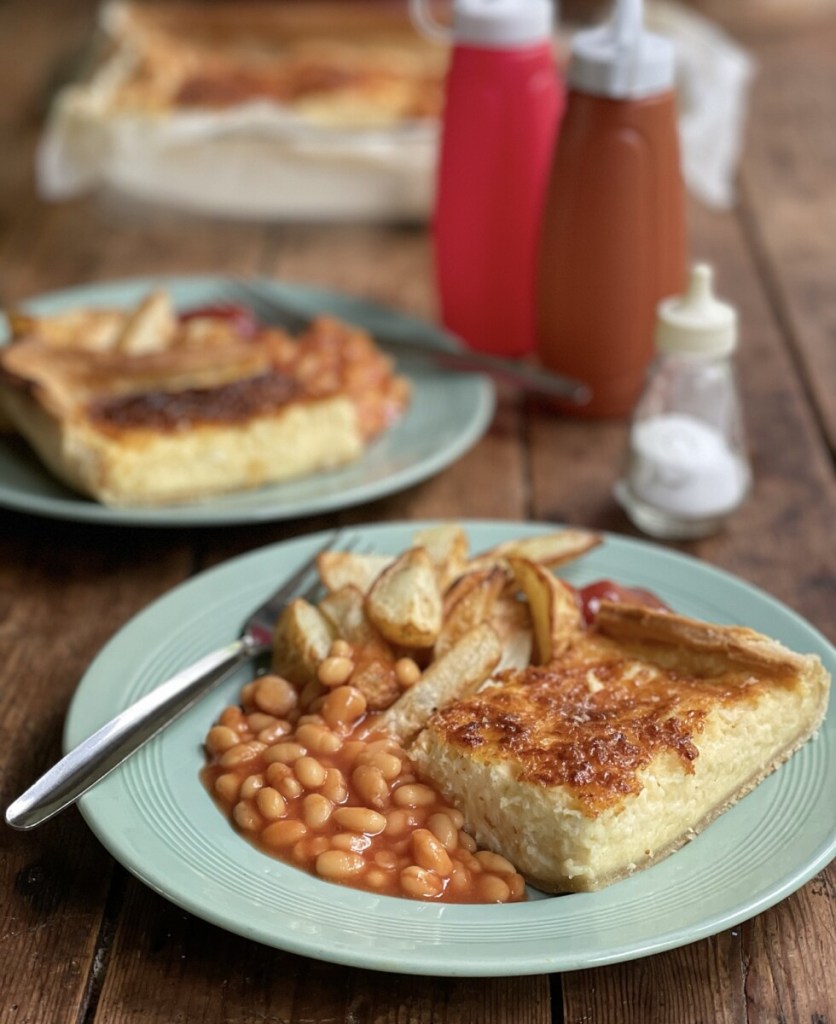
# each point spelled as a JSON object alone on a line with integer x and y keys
{"x": 330, "y": 358}
{"x": 227, "y": 86}
{"x": 589, "y": 724}
{"x": 178, "y": 410}
{"x": 230, "y": 85}
{"x": 333, "y": 70}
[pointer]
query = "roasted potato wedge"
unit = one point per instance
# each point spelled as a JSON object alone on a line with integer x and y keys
{"x": 549, "y": 549}
{"x": 150, "y": 327}
{"x": 459, "y": 672}
{"x": 98, "y": 328}
{"x": 405, "y": 602}
{"x": 302, "y": 638}
{"x": 468, "y": 602}
{"x": 447, "y": 546}
{"x": 511, "y": 621}
{"x": 345, "y": 610}
{"x": 555, "y": 613}
{"x": 339, "y": 569}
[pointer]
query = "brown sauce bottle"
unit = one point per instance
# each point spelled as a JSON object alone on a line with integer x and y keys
{"x": 613, "y": 237}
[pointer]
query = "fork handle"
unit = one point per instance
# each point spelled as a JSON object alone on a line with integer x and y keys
{"x": 110, "y": 745}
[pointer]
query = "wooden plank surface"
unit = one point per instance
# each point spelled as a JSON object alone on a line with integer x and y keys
{"x": 789, "y": 206}
{"x": 787, "y": 201}
{"x": 82, "y": 941}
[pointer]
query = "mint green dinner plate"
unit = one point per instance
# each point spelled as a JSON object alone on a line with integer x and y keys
{"x": 154, "y": 816}
{"x": 448, "y": 414}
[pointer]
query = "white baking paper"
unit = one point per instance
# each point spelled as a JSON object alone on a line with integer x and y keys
{"x": 259, "y": 160}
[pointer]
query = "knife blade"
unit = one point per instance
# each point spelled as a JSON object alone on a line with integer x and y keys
{"x": 524, "y": 375}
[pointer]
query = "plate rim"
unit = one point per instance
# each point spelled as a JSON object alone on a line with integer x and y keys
{"x": 77, "y": 508}
{"x": 672, "y": 938}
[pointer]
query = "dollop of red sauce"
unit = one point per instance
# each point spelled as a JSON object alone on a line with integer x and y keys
{"x": 591, "y": 596}
{"x": 242, "y": 319}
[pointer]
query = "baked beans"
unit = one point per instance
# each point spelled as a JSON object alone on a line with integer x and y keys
{"x": 306, "y": 778}
{"x": 340, "y": 649}
{"x": 335, "y": 670}
{"x": 407, "y": 672}
{"x": 275, "y": 696}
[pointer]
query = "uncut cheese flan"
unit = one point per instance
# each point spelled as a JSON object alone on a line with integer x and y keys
{"x": 634, "y": 736}
{"x": 147, "y": 407}
{"x": 346, "y": 65}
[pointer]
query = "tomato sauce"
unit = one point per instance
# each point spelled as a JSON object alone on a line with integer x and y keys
{"x": 593, "y": 594}
{"x": 240, "y": 317}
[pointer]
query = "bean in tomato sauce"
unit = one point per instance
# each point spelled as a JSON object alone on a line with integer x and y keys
{"x": 319, "y": 788}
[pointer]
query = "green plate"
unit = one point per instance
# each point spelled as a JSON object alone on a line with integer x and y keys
{"x": 156, "y": 819}
{"x": 448, "y": 414}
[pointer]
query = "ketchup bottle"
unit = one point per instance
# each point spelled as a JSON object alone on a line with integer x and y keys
{"x": 613, "y": 237}
{"x": 503, "y": 101}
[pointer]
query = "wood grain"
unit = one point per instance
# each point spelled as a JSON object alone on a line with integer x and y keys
{"x": 64, "y": 590}
{"x": 167, "y": 966}
{"x": 787, "y": 205}
{"x": 699, "y": 983}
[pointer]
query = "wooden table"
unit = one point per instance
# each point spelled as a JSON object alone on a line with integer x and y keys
{"x": 80, "y": 939}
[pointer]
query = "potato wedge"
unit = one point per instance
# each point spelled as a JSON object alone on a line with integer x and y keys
{"x": 339, "y": 569}
{"x": 468, "y": 602}
{"x": 88, "y": 329}
{"x": 374, "y": 659}
{"x": 150, "y": 327}
{"x": 344, "y": 609}
{"x": 550, "y": 549}
{"x": 405, "y": 603}
{"x": 447, "y": 546}
{"x": 456, "y": 674}
{"x": 511, "y": 621}
{"x": 555, "y": 612}
{"x": 301, "y": 640}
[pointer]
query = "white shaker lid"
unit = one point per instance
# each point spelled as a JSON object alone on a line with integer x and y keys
{"x": 490, "y": 23}
{"x": 620, "y": 59}
{"x": 697, "y": 323}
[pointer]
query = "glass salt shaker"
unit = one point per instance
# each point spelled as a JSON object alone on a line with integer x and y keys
{"x": 687, "y": 467}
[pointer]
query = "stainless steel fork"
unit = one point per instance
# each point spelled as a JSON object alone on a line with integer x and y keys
{"x": 109, "y": 746}
{"x": 525, "y": 376}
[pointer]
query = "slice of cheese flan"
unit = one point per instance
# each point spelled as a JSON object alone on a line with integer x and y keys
{"x": 143, "y": 407}
{"x": 630, "y": 738}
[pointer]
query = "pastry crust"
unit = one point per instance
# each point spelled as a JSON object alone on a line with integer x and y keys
{"x": 147, "y": 410}
{"x": 337, "y": 64}
{"x": 625, "y": 746}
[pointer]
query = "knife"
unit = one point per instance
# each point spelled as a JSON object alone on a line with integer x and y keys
{"x": 526, "y": 376}
{"x": 273, "y": 310}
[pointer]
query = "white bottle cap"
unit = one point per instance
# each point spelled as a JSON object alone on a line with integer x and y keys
{"x": 491, "y": 23}
{"x": 697, "y": 322}
{"x": 620, "y": 59}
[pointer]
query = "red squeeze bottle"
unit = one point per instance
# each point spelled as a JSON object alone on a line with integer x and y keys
{"x": 612, "y": 243}
{"x": 503, "y": 101}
